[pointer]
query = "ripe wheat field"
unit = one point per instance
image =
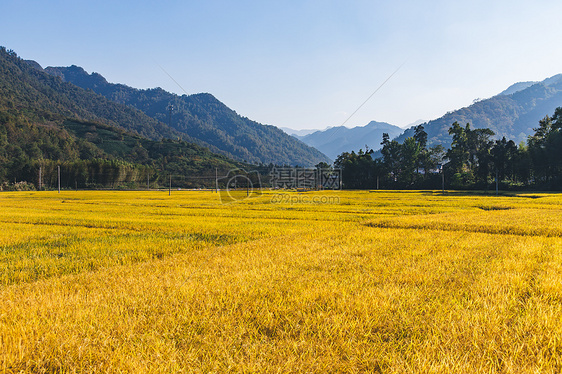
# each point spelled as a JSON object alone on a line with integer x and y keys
{"x": 390, "y": 282}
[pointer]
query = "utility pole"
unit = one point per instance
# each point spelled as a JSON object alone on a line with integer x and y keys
{"x": 377, "y": 182}
{"x": 39, "y": 178}
{"x": 443, "y": 178}
{"x": 170, "y": 109}
{"x": 170, "y": 189}
{"x": 341, "y": 179}
{"x": 497, "y": 187}
{"x": 216, "y": 180}
{"x": 58, "y": 173}
{"x": 148, "y": 182}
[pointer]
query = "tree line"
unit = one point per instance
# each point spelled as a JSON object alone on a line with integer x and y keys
{"x": 474, "y": 161}
{"x": 94, "y": 155}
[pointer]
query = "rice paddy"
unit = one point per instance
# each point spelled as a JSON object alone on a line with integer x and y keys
{"x": 373, "y": 281}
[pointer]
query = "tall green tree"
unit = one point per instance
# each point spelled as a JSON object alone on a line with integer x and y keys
{"x": 545, "y": 148}
{"x": 469, "y": 155}
{"x": 504, "y": 154}
{"x": 358, "y": 169}
{"x": 410, "y": 152}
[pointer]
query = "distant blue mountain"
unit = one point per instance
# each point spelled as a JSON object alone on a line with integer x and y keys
{"x": 336, "y": 140}
{"x": 298, "y": 132}
{"x": 520, "y": 86}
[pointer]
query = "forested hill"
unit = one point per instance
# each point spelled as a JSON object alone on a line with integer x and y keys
{"x": 204, "y": 119}
{"x": 45, "y": 123}
{"x": 25, "y": 86}
{"x": 512, "y": 114}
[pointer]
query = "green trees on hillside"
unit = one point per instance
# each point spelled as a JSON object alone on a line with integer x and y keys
{"x": 93, "y": 155}
{"x": 474, "y": 160}
{"x": 46, "y": 97}
{"x": 203, "y": 119}
{"x": 545, "y": 149}
{"x": 358, "y": 169}
{"x": 402, "y": 165}
{"x": 46, "y": 122}
{"x": 469, "y": 156}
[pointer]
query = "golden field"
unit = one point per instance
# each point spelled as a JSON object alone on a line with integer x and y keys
{"x": 390, "y": 282}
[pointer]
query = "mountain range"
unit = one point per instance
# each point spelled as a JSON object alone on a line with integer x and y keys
{"x": 201, "y": 119}
{"x": 62, "y": 107}
{"x": 298, "y": 132}
{"x": 335, "y": 140}
{"x": 45, "y": 123}
{"x": 513, "y": 113}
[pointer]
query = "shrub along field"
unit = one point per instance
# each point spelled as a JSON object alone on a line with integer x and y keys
{"x": 369, "y": 282}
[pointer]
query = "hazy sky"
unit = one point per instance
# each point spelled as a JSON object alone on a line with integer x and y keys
{"x": 300, "y": 64}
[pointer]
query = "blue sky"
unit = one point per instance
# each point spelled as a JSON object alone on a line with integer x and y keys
{"x": 300, "y": 64}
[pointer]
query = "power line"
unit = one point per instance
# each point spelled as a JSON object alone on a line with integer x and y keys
{"x": 374, "y": 92}
{"x": 365, "y": 102}
{"x": 172, "y": 78}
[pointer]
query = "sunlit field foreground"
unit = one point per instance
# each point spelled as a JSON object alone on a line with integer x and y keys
{"x": 372, "y": 282}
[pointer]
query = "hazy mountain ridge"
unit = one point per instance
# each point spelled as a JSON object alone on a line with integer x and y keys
{"x": 204, "y": 119}
{"x": 519, "y": 86}
{"x": 298, "y": 132}
{"x": 336, "y": 140}
{"x": 516, "y": 87}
